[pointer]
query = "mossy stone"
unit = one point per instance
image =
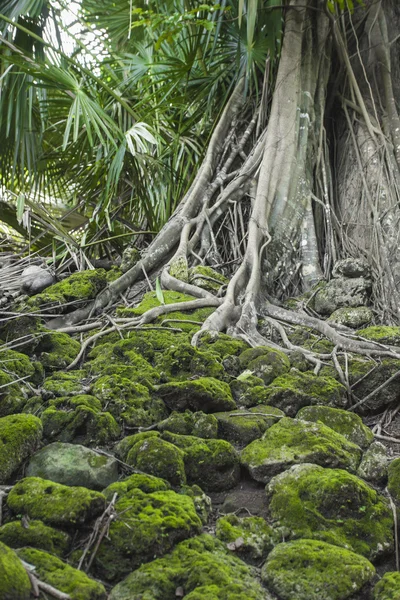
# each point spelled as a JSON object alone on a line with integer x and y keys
{"x": 74, "y": 465}
{"x": 292, "y": 441}
{"x": 295, "y": 389}
{"x": 250, "y": 537}
{"x": 394, "y": 479}
{"x": 159, "y": 458}
{"x": 147, "y": 526}
{"x": 14, "y": 581}
{"x": 129, "y": 402}
{"x": 388, "y": 588}
{"x": 81, "y": 286}
{"x": 375, "y": 376}
{"x": 53, "y": 503}
{"x": 188, "y": 423}
{"x": 211, "y": 464}
{"x": 240, "y": 427}
{"x": 13, "y": 396}
{"x": 57, "y": 350}
{"x": 145, "y": 483}
{"x": 352, "y": 317}
{"x": 207, "y": 278}
{"x": 206, "y": 394}
{"x": 221, "y": 344}
{"x": 123, "y": 447}
{"x": 61, "y": 384}
{"x": 265, "y": 363}
{"x": 374, "y": 464}
{"x": 202, "y": 567}
{"x": 79, "y": 419}
{"x": 348, "y": 424}
{"x": 18, "y": 365}
{"x": 35, "y": 534}
{"x": 334, "y": 506}
{"x": 61, "y": 576}
{"x": 201, "y": 501}
{"x": 19, "y": 437}
{"x": 184, "y": 361}
{"x": 312, "y": 570}
{"x": 27, "y": 330}
{"x": 152, "y": 342}
{"x": 383, "y": 334}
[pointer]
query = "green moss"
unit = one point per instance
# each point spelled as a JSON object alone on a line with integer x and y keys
{"x": 376, "y": 375}
{"x": 291, "y": 441}
{"x": 382, "y": 334}
{"x": 184, "y": 361}
{"x": 239, "y": 426}
{"x": 130, "y": 403}
{"x": 63, "y": 577}
{"x": 201, "y": 501}
{"x": 150, "y": 300}
{"x": 346, "y": 423}
{"x": 12, "y": 395}
{"x": 127, "y": 487}
{"x": 206, "y": 394}
{"x": 57, "y": 350}
{"x": 394, "y": 479}
{"x": 19, "y": 437}
{"x": 333, "y": 506}
{"x": 250, "y": 537}
{"x": 207, "y": 278}
{"x": 119, "y": 359}
{"x": 147, "y": 526}
{"x": 19, "y": 365}
{"x": 311, "y": 570}
{"x": 211, "y": 464}
{"x": 248, "y": 390}
{"x": 79, "y": 419}
{"x": 388, "y": 588}
{"x": 130, "y": 257}
{"x": 202, "y": 567}
{"x": 80, "y": 286}
{"x": 27, "y": 330}
{"x": 159, "y": 458}
{"x": 292, "y": 391}
{"x": 65, "y": 384}
{"x": 35, "y": 534}
{"x": 53, "y": 503}
{"x": 188, "y": 423}
{"x": 14, "y": 580}
{"x": 123, "y": 447}
{"x": 179, "y": 268}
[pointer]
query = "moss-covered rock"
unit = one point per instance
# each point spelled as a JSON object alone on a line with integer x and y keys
{"x": 79, "y": 287}
{"x": 221, "y": 344}
{"x": 201, "y": 501}
{"x": 206, "y": 394}
{"x": 188, "y": 423}
{"x": 145, "y": 483}
{"x": 312, "y": 570}
{"x": 292, "y": 391}
{"x": 79, "y": 419}
{"x": 207, "y": 278}
{"x": 265, "y": 363}
{"x": 247, "y": 390}
{"x": 185, "y": 361}
{"x": 13, "y": 396}
{"x": 159, "y": 458}
{"x": 129, "y": 402}
{"x": 394, "y": 479}
{"x": 19, "y": 437}
{"x": 71, "y": 383}
{"x": 147, "y": 526}
{"x": 150, "y": 343}
{"x": 27, "y": 330}
{"x": 240, "y": 427}
{"x": 202, "y": 567}
{"x": 19, "y": 366}
{"x": 373, "y": 466}
{"x": 53, "y": 503}
{"x": 35, "y": 534}
{"x": 57, "y": 350}
{"x": 382, "y": 334}
{"x": 333, "y": 506}
{"x": 371, "y": 376}
{"x": 74, "y": 465}
{"x": 14, "y": 580}
{"x": 118, "y": 359}
{"x": 211, "y": 464}
{"x": 348, "y": 424}
{"x": 61, "y": 576}
{"x": 292, "y": 441}
{"x": 130, "y": 257}
{"x": 341, "y": 292}
{"x": 352, "y": 317}
{"x": 388, "y": 588}
{"x": 250, "y": 537}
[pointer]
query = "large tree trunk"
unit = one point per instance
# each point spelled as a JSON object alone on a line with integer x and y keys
{"x": 323, "y": 175}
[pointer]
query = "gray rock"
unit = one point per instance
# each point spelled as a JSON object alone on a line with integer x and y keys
{"x": 352, "y": 317}
{"x": 351, "y": 267}
{"x": 35, "y": 279}
{"x": 74, "y": 465}
{"x": 341, "y": 292}
{"x": 374, "y": 463}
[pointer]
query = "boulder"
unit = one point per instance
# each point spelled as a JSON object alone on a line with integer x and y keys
{"x": 374, "y": 464}
{"x": 240, "y": 427}
{"x": 14, "y": 580}
{"x": 342, "y": 292}
{"x": 251, "y": 538}
{"x": 206, "y": 394}
{"x": 352, "y": 317}
{"x": 19, "y": 437}
{"x": 388, "y": 588}
{"x": 351, "y": 267}
{"x": 36, "y": 534}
